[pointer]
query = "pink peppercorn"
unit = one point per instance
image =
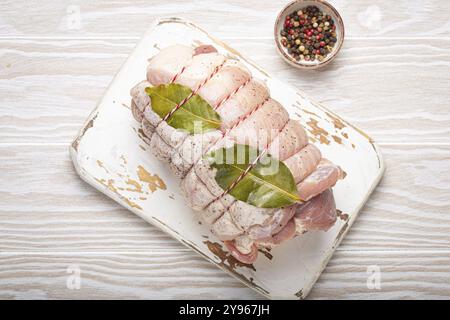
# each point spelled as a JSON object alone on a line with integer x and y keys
{"x": 306, "y": 30}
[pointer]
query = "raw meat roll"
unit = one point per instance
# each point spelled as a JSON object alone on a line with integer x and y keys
{"x": 248, "y": 117}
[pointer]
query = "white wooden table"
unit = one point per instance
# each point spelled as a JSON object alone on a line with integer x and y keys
{"x": 392, "y": 79}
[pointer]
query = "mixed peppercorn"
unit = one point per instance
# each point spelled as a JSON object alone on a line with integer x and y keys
{"x": 308, "y": 34}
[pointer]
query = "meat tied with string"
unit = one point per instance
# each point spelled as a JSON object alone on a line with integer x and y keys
{"x": 248, "y": 116}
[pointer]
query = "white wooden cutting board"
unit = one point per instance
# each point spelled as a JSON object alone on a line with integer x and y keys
{"x": 112, "y": 154}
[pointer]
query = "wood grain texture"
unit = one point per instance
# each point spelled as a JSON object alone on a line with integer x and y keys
{"x": 249, "y": 18}
{"x": 391, "y": 79}
{"x": 45, "y": 207}
{"x": 48, "y": 87}
{"x": 175, "y": 274}
{"x": 178, "y": 274}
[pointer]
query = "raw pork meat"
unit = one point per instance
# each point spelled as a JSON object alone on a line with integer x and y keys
{"x": 249, "y": 117}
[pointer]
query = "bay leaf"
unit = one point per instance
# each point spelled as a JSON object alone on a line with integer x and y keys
{"x": 194, "y": 116}
{"x": 269, "y": 184}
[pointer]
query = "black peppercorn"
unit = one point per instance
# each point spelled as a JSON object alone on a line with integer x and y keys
{"x": 308, "y": 34}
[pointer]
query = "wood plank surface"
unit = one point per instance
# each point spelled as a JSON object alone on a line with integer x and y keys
{"x": 246, "y": 19}
{"x": 46, "y": 207}
{"x": 57, "y": 58}
{"x": 179, "y": 274}
{"x": 50, "y": 86}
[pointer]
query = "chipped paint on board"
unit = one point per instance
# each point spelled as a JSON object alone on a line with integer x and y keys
{"x": 136, "y": 186}
{"x": 110, "y": 186}
{"x": 267, "y": 277}
{"x": 101, "y": 165}
{"x": 318, "y": 132}
{"x": 124, "y": 182}
{"x": 266, "y": 253}
{"x": 337, "y": 139}
{"x": 341, "y": 215}
{"x": 153, "y": 181}
{"x": 86, "y": 127}
{"x": 225, "y": 257}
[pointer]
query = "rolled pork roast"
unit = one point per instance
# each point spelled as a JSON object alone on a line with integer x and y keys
{"x": 249, "y": 116}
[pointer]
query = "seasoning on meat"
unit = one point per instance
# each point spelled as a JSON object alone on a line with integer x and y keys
{"x": 248, "y": 117}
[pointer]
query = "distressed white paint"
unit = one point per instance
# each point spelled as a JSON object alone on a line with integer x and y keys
{"x": 111, "y": 136}
{"x": 390, "y": 78}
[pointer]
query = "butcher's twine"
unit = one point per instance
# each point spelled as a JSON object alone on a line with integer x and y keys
{"x": 251, "y": 165}
{"x": 234, "y": 92}
{"x": 178, "y": 74}
{"x": 179, "y": 105}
